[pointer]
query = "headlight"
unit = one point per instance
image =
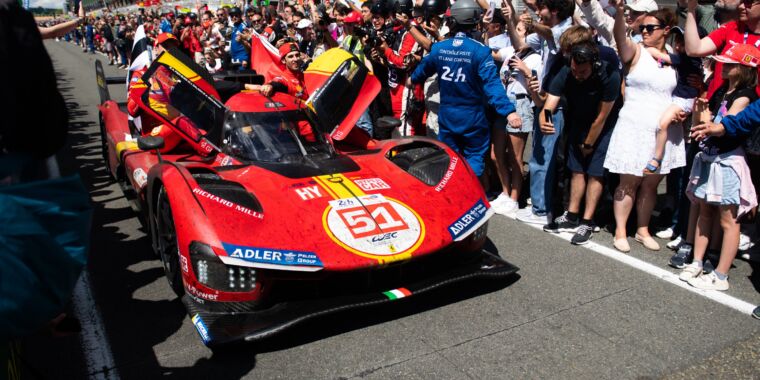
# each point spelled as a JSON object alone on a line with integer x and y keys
{"x": 212, "y": 272}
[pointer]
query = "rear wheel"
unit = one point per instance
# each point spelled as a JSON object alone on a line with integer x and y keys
{"x": 168, "y": 248}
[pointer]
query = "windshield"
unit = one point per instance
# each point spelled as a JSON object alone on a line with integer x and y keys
{"x": 272, "y": 137}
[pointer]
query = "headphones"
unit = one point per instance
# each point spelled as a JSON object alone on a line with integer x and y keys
{"x": 583, "y": 53}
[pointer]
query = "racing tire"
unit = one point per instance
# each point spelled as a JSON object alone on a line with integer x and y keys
{"x": 104, "y": 145}
{"x": 167, "y": 244}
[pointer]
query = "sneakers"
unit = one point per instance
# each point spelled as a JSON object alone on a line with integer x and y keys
{"x": 756, "y": 312}
{"x": 675, "y": 243}
{"x": 689, "y": 272}
{"x": 526, "y": 215}
{"x": 582, "y": 235}
{"x": 561, "y": 224}
{"x": 504, "y": 205}
{"x": 683, "y": 256}
{"x": 665, "y": 234}
{"x": 709, "y": 281}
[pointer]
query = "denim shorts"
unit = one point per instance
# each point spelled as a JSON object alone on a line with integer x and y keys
{"x": 731, "y": 185}
{"x": 524, "y": 107}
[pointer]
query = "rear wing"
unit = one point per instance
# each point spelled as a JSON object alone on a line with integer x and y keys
{"x": 104, "y": 81}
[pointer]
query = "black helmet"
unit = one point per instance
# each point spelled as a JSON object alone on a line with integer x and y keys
{"x": 379, "y": 8}
{"x": 235, "y": 11}
{"x": 436, "y": 7}
{"x": 466, "y": 12}
{"x": 404, "y": 7}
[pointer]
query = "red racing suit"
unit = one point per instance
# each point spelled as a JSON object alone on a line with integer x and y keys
{"x": 293, "y": 83}
{"x": 403, "y": 45}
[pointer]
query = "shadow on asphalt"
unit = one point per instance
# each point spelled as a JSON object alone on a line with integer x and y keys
{"x": 121, "y": 262}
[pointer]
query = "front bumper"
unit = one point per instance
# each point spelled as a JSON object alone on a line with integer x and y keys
{"x": 217, "y": 328}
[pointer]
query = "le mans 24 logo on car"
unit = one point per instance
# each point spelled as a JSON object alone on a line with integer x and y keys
{"x": 374, "y": 226}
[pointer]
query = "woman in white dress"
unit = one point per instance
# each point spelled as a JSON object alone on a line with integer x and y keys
{"x": 632, "y": 148}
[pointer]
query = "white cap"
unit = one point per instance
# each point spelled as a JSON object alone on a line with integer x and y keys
{"x": 642, "y": 6}
{"x": 303, "y": 24}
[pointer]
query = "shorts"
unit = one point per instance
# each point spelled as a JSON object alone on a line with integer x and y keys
{"x": 731, "y": 186}
{"x": 593, "y": 164}
{"x": 524, "y": 106}
{"x": 686, "y": 104}
{"x": 109, "y": 47}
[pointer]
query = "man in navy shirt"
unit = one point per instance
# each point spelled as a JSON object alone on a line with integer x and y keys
{"x": 468, "y": 80}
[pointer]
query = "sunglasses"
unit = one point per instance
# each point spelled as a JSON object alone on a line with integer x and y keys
{"x": 257, "y": 21}
{"x": 650, "y": 28}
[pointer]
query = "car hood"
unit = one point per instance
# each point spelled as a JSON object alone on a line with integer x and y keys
{"x": 360, "y": 218}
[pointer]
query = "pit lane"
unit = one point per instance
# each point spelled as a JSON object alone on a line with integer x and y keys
{"x": 572, "y": 313}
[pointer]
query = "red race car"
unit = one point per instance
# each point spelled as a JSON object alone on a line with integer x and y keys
{"x": 273, "y": 210}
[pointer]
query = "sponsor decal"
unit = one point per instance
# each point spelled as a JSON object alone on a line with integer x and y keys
{"x": 272, "y": 256}
{"x": 374, "y": 226}
{"x": 183, "y": 263}
{"x": 223, "y": 160}
{"x": 205, "y": 194}
{"x": 141, "y": 178}
{"x": 449, "y": 173}
{"x": 369, "y": 184}
{"x": 397, "y": 293}
{"x": 201, "y": 294}
{"x": 202, "y": 329}
{"x": 273, "y": 105}
{"x": 205, "y": 146}
{"x": 308, "y": 192}
{"x": 469, "y": 219}
{"x": 457, "y": 42}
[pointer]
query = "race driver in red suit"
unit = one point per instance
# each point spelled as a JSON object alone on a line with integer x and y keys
{"x": 400, "y": 56}
{"x": 290, "y": 81}
{"x": 158, "y": 101}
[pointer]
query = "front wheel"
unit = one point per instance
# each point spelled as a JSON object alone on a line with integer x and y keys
{"x": 168, "y": 247}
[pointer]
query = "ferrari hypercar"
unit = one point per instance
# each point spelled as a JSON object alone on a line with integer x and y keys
{"x": 273, "y": 210}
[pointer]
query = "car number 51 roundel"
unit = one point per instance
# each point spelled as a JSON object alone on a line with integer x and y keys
{"x": 374, "y": 226}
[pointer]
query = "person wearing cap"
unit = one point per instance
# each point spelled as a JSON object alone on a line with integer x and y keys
{"x": 467, "y": 76}
{"x": 744, "y": 31}
{"x": 351, "y": 42}
{"x": 238, "y": 51}
{"x": 291, "y": 80}
{"x": 720, "y": 182}
{"x": 166, "y": 23}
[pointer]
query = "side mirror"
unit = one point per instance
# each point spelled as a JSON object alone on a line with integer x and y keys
{"x": 385, "y": 126}
{"x": 150, "y": 143}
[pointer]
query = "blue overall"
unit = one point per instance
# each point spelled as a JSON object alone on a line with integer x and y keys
{"x": 468, "y": 80}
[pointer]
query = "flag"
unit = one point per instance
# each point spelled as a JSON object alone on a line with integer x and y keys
{"x": 265, "y": 57}
{"x": 141, "y": 58}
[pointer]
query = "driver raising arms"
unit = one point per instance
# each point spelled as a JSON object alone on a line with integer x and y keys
{"x": 291, "y": 80}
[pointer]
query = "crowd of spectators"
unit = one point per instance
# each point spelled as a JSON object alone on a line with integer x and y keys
{"x": 612, "y": 97}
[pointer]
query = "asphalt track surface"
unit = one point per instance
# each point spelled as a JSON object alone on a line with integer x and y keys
{"x": 571, "y": 312}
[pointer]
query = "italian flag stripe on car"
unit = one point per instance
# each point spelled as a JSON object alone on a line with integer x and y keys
{"x": 397, "y": 293}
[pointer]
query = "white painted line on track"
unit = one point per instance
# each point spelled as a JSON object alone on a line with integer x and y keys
{"x": 663, "y": 274}
{"x": 95, "y": 347}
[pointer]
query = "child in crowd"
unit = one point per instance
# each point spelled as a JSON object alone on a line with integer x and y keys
{"x": 720, "y": 181}
{"x": 683, "y": 95}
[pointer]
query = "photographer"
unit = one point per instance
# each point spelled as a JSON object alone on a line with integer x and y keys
{"x": 354, "y": 34}
{"x": 403, "y": 53}
{"x": 381, "y": 105}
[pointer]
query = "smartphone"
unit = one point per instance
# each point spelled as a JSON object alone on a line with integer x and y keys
{"x": 548, "y": 116}
{"x": 533, "y": 74}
